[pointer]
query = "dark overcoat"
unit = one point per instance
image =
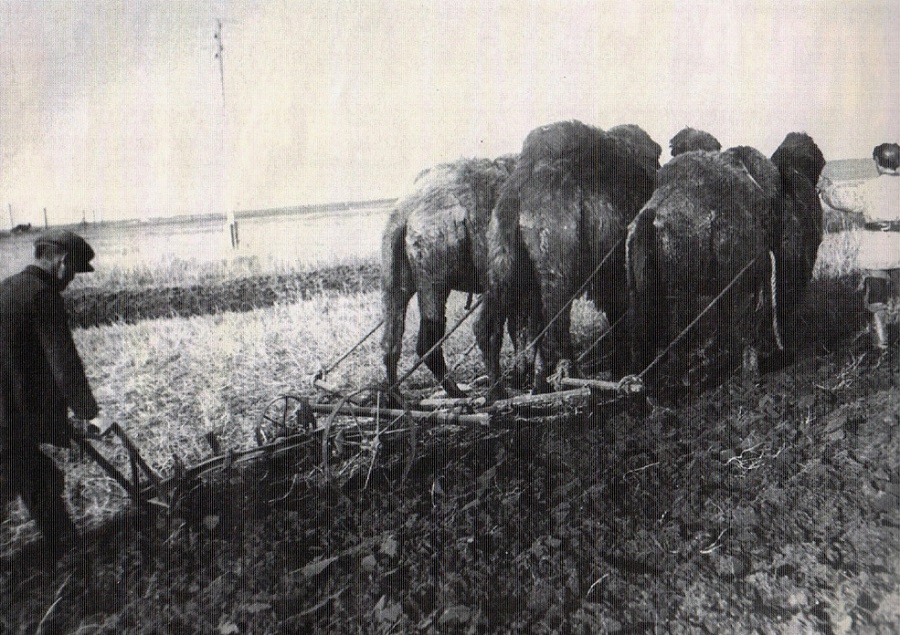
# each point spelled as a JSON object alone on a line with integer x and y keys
{"x": 41, "y": 372}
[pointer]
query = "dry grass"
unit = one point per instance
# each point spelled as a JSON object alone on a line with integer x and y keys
{"x": 837, "y": 256}
{"x": 170, "y": 382}
{"x": 172, "y": 271}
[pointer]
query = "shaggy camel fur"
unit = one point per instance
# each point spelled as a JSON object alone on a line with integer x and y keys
{"x": 800, "y": 163}
{"x": 564, "y": 209}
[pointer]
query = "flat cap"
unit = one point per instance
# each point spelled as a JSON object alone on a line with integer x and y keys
{"x": 81, "y": 251}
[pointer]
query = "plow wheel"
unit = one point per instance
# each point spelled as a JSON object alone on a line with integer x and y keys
{"x": 355, "y": 446}
{"x": 347, "y": 446}
{"x": 285, "y": 416}
{"x": 332, "y": 443}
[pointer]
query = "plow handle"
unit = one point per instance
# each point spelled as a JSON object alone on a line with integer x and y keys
{"x": 109, "y": 468}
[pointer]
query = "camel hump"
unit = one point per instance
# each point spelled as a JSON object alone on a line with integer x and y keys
{"x": 798, "y": 152}
{"x": 692, "y": 140}
{"x": 646, "y": 149}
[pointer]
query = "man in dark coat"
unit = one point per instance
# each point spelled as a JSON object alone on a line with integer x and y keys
{"x": 41, "y": 374}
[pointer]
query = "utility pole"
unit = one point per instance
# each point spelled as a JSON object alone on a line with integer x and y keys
{"x": 11, "y": 223}
{"x": 219, "y": 49}
{"x": 230, "y": 219}
{"x": 46, "y": 224}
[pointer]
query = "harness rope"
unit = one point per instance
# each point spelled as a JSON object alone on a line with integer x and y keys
{"x": 462, "y": 357}
{"x": 576, "y": 294}
{"x": 564, "y": 307}
{"x": 773, "y": 279}
{"x": 600, "y": 339}
{"x": 436, "y": 345}
{"x": 324, "y": 372}
{"x": 470, "y": 308}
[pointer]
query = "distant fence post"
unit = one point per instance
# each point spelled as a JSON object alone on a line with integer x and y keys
{"x": 235, "y": 239}
{"x": 233, "y": 229}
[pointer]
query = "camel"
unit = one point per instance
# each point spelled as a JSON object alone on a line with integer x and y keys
{"x": 559, "y": 225}
{"x": 434, "y": 242}
{"x": 800, "y": 229}
{"x": 719, "y": 219}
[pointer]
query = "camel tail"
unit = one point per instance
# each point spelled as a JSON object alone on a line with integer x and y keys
{"x": 640, "y": 254}
{"x": 395, "y": 268}
{"x": 397, "y": 287}
{"x": 502, "y": 239}
{"x": 644, "y": 287}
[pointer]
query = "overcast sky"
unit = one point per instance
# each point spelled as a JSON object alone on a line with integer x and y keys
{"x": 117, "y": 107}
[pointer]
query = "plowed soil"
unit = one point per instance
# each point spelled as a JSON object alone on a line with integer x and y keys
{"x": 94, "y": 307}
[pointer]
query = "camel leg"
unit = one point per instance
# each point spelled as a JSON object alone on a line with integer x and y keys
{"x": 433, "y": 325}
{"x": 648, "y": 324}
{"x": 556, "y": 345}
{"x": 759, "y": 345}
{"x": 735, "y": 325}
{"x": 541, "y": 368}
{"x": 489, "y": 335}
{"x": 611, "y": 295}
{"x": 648, "y": 330}
{"x": 682, "y": 309}
{"x": 620, "y": 357}
{"x": 512, "y": 326}
{"x": 522, "y": 327}
{"x": 430, "y": 332}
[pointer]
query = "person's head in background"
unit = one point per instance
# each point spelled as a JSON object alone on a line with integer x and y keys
{"x": 887, "y": 158}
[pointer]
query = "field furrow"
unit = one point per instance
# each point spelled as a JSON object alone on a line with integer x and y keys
{"x": 89, "y": 306}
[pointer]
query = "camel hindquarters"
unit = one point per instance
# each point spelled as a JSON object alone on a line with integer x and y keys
{"x": 607, "y": 288}
{"x": 553, "y": 249}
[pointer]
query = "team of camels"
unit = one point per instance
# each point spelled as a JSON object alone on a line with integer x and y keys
{"x": 585, "y": 211}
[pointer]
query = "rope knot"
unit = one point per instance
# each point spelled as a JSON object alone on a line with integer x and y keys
{"x": 630, "y": 385}
{"x": 563, "y": 371}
